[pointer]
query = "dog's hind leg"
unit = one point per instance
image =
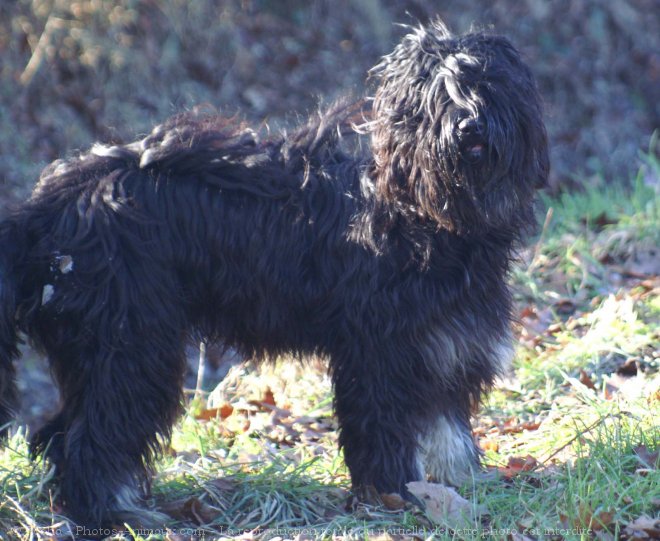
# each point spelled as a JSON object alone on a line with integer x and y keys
{"x": 116, "y": 405}
{"x": 116, "y": 351}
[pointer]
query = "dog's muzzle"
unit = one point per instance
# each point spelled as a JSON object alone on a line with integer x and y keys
{"x": 470, "y": 133}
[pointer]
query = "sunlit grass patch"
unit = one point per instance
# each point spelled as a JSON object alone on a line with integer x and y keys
{"x": 592, "y": 341}
{"x": 592, "y": 239}
{"x": 25, "y": 494}
{"x": 592, "y": 470}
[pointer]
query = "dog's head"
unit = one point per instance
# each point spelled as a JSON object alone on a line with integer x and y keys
{"x": 457, "y": 130}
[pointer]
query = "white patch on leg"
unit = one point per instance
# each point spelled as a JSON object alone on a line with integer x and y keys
{"x": 447, "y": 452}
{"x": 127, "y": 498}
{"x": 128, "y": 506}
{"x": 503, "y": 353}
{"x": 448, "y": 354}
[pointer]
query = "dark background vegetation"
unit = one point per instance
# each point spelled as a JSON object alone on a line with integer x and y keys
{"x": 73, "y": 72}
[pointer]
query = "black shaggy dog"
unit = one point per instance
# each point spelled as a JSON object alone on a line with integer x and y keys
{"x": 378, "y": 235}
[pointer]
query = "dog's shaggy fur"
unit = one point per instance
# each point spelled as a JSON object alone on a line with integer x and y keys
{"x": 378, "y": 235}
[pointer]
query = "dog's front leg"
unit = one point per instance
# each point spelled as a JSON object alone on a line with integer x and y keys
{"x": 380, "y": 420}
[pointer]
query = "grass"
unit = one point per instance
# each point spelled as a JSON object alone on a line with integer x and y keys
{"x": 587, "y": 236}
{"x": 581, "y": 407}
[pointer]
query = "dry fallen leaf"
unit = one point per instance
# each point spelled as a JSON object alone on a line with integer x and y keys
{"x": 488, "y": 444}
{"x": 513, "y": 426}
{"x": 393, "y": 501}
{"x": 191, "y": 509}
{"x": 443, "y": 505}
{"x": 565, "y": 306}
{"x": 268, "y": 397}
{"x": 586, "y": 380}
{"x": 650, "y": 527}
{"x": 602, "y": 521}
{"x": 648, "y": 458}
{"x": 222, "y": 412}
{"x": 517, "y": 465}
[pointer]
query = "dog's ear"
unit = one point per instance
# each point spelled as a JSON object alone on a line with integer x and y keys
{"x": 405, "y": 126}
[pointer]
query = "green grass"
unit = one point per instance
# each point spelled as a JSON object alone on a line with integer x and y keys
{"x": 586, "y": 232}
{"x": 637, "y": 207}
{"x": 275, "y": 471}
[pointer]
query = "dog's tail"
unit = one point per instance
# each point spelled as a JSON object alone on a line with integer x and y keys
{"x": 11, "y": 249}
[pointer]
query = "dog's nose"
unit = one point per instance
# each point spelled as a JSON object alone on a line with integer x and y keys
{"x": 470, "y": 126}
